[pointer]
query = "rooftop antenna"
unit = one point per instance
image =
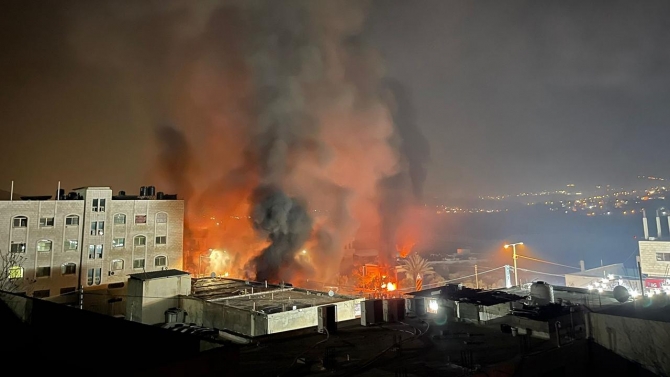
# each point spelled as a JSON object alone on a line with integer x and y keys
{"x": 58, "y": 192}
{"x": 11, "y": 192}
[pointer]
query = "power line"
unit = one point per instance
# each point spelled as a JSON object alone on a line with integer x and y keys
{"x": 544, "y": 261}
{"x": 538, "y": 272}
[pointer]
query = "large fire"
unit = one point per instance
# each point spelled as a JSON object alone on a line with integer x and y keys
{"x": 290, "y": 144}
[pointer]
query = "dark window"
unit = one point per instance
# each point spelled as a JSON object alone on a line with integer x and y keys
{"x": 161, "y": 240}
{"x": 160, "y": 261}
{"x": 140, "y": 219}
{"x": 115, "y": 285}
{"x": 20, "y": 222}
{"x": 43, "y": 272}
{"x": 18, "y": 248}
{"x": 68, "y": 269}
{"x": 41, "y": 294}
{"x": 140, "y": 241}
{"x": 663, "y": 257}
{"x": 97, "y": 228}
{"x": 46, "y": 221}
{"x": 72, "y": 220}
{"x": 138, "y": 263}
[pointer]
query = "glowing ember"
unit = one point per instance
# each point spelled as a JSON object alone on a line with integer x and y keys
{"x": 391, "y": 287}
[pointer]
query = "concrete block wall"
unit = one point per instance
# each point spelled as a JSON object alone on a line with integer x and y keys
{"x": 648, "y": 262}
{"x": 641, "y": 341}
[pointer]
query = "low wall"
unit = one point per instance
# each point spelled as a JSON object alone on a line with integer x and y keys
{"x": 642, "y": 341}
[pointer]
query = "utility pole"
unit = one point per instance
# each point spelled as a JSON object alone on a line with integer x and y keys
{"x": 639, "y": 273}
{"x": 514, "y": 257}
{"x": 476, "y": 277}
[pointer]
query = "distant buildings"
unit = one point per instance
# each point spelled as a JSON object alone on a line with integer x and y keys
{"x": 89, "y": 237}
{"x": 655, "y": 253}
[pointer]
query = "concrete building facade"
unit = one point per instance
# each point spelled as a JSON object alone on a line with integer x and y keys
{"x": 89, "y": 237}
{"x": 655, "y": 258}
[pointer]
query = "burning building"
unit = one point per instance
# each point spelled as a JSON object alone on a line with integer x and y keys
{"x": 296, "y": 144}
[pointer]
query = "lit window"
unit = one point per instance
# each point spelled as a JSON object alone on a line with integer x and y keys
{"x": 161, "y": 217}
{"x": 16, "y": 272}
{"x": 72, "y": 220}
{"x": 20, "y": 222}
{"x": 140, "y": 219}
{"x": 68, "y": 269}
{"x": 119, "y": 219}
{"x": 432, "y": 306}
{"x": 18, "y": 247}
{"x": 140, "y": 241}
{"x": 71, "y": 244}
{"x": 46, "y": 221}
{"x": 94, "y": 276}
{"x": 94, "y": 251}
{"x": 41, "y": 293}
{"x": 161, "y": 240}
{"x": 138, "y": 263}
{"x": 160, "y": 261}
{"x": 43, "y": 272}
{"x": 44, "y": 245}
{"x": 97, "y": 228}
{"x": 117, "y": 264}
{"x": 118, "y": 242}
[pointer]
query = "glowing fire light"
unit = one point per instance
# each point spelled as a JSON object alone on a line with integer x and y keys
{"x": 391, "y": 287}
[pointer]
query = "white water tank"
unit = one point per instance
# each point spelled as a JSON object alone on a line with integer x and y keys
{"x": 541, "y": 293}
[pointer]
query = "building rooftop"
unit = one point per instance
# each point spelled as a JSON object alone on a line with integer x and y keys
{"x": 463, "y": 294}
{"x": 157, "y": 274}
{"x": 270, "y": 298}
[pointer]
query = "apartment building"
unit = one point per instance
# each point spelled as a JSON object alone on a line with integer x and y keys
{"x": 89, "y": 236}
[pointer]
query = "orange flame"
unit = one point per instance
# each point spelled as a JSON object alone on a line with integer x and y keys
{"x": 391, "y": 287}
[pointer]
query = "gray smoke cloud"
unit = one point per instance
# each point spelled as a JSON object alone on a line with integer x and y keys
{"x": 404, "y": 189}
{"x": 285, "y": 222}
{"x": 175, "y": 159}
{"x": 282, "y": 107}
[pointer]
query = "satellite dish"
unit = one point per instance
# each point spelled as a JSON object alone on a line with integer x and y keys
{"x": 331, "y": 293}
{"x": 621, "y": 293}
{"x": 212, "y": 275}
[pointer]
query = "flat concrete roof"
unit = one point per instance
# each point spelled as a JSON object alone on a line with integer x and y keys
{"x": 157, "y": 274}
{"x": 250, "y": 295}
{"x": 475, "y": 296}
{"x": 282, "y": 300}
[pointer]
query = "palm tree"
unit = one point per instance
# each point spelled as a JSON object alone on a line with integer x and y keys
{"x": 415, "y": 265}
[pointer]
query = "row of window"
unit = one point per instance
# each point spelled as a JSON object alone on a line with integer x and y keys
{"x": 16, "y": 272}
{"x": 44, "y": 293}
{"x": 70, "y": 245}
{"x": 97, "y": 227}
{"x": 663, "y": 257}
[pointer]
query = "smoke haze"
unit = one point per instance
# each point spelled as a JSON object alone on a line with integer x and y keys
{"x": 287, "y": 115}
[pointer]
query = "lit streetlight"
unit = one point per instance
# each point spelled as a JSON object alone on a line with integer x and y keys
{"x": 514, "y": 257}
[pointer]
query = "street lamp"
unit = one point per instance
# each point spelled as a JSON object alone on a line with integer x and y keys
{"x": 514, "y": 257}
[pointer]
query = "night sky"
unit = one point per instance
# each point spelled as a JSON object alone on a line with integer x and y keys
{"x": 512, "y": 96}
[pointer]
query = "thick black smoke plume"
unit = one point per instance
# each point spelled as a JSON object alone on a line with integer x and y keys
{"x": 287, "y": 225}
